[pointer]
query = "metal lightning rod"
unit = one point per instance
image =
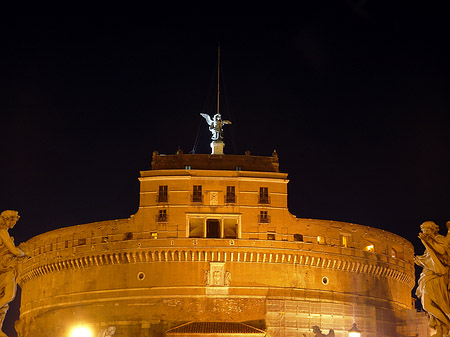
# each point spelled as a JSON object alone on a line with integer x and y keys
{"x": 218, "y": 78}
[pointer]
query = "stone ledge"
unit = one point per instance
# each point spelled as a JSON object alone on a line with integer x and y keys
{"x": 352, "y": 264}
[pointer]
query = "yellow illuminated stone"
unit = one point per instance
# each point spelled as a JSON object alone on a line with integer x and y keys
{"x": 81, "y": 331}
{"x": 212, "y": 244}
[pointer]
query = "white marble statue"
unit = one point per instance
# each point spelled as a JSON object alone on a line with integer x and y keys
{"x": 9, "y": 254}
{"x": 108, "y": 332}
{"x": 433, "y": 284}
{"x": 318, "y": 333}
{"x": 215, "y": 125}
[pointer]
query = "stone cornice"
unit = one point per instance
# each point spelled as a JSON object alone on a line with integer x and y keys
{"x": 216, "y": 254}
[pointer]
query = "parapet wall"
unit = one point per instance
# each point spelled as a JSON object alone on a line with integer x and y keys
{"x": 360, "y": 237}
{"x": 320, "y": 236}
{"x": 215, "y": 162}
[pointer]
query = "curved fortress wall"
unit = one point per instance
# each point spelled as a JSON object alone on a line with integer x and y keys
{"x": 227, "y": 251}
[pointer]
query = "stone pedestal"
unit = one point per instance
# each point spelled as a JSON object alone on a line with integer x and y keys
{"x": 217, "y": 147}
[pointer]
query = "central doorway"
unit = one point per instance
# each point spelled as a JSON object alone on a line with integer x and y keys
{"x": 213, "y": 228}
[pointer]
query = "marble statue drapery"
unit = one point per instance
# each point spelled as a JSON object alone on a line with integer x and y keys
{"x": 433, "y": 284}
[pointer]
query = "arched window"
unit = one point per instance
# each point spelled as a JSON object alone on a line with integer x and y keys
{"x": 369, "y": 248}
{"x": 298, "y": 237}
{"x": 393, "y": 253}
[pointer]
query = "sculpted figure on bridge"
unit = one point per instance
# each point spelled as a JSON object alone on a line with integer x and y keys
{"x": 433, "y": 284}
{"x": 318, "y": 332}
{"x": 8, "y": 263}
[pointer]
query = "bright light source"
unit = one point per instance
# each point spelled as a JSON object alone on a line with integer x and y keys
{"x": 369, "y": 248}
{"x": 354, "y": 331}
{"x": 81, "y": 331}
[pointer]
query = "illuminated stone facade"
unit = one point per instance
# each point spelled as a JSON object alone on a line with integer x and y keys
{"x": 213, "y": 241}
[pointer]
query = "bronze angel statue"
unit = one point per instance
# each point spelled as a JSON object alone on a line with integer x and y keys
{"x": 215, "y": 125}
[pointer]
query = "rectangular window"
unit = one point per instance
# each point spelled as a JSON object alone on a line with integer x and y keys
{"x": 213, "y": 228}
{"x": 196, "y": 228}
{"x": 321, "y": 240}
{"x": 270, "y": 236}
{"x": 231, "y": 195}
{"x": 153, "y": 235}
{"x": 162, "y": 194}
{"x": 197, "y": 193}
{"x": 216, "y": 228}
{"x": 230, "y": 229}
{"x": 263, "y": 195}
{"x": 264, "y": 217}
{"x": 162, "y": 216}
{"x": 344, "y": 241}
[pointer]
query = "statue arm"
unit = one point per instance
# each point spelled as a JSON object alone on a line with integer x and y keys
{"x": 436, "y": 261}
{"x": 432, "y": 242}
{"x": 8, "y": 242}
{"x": 418, "y": 259}
{"x": 436, "y": 246}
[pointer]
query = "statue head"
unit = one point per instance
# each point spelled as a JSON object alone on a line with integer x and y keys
{"x": 316, "y": 329}
{"x": 429, "y": 227}
{"x": 8, "y": 219}
{"x": 110, "y": 331}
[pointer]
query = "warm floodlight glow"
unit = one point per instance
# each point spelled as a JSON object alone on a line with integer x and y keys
{"x": 393, "y": 252}
{"x": 354, "y": 331}
{"x": 81, "y": 331}
{"x": 369, "y": 248}
{"x": 321, "y": 240}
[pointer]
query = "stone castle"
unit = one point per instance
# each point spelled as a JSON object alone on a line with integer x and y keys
{"x": 214, "y": 250}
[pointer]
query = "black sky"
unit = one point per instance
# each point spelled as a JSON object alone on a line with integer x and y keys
{"x": 354, "y": 97}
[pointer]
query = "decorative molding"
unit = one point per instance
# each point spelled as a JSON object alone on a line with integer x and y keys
{"x": 353, "y": 265}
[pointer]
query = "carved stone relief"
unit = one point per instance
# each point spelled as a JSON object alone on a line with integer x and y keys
{"x": 217, "y": 276}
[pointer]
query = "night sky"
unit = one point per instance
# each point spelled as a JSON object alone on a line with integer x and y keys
{"x": 355, "y": 98}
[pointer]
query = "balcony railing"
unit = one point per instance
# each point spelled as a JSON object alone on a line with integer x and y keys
{"x": 162, "y": 198}
{"x": 230, "y": 199}
{"x": 264, "y": 199}
{"x": 162, "y": 218}
{"x": 197, "y": 198}
{"x": 263, "y": 218}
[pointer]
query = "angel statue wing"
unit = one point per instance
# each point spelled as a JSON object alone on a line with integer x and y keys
{"x": 208, "y": 119}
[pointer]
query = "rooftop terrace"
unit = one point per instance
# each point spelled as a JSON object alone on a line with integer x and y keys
{"x": 229, "y": 162}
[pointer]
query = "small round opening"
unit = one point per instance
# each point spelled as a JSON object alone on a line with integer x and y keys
{"x": 325, "y": 280}
{"x": 140, "y": 276}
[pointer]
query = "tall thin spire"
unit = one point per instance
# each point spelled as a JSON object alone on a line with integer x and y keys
{"x": 216, "y": 123}
{"x": 218, "y": 78}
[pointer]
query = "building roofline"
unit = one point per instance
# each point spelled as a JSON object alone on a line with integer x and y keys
{"x": 228, "y": 162}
